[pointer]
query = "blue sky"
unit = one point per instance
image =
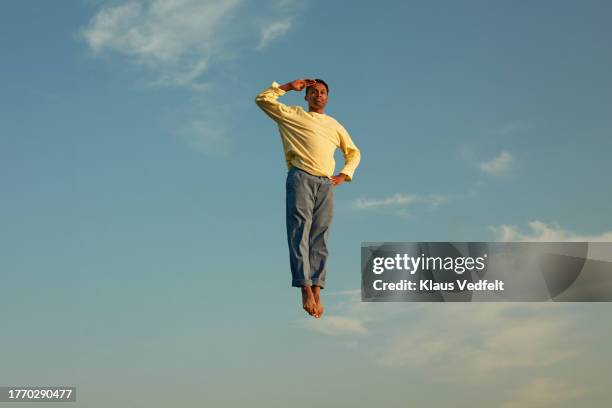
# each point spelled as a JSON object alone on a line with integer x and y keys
{"x": 143, "y": 239}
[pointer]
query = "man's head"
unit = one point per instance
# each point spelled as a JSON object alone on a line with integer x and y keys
{"x": 316, "y": 96}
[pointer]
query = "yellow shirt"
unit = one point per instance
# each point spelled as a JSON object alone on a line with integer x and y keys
{"x": 309, "y": 138}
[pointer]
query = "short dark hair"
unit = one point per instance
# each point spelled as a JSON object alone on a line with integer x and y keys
{"x": 318, "y": 81}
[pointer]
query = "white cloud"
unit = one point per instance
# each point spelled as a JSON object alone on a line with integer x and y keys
{"x": 187, "y": 77}
{"x": 473, "y": 340}
{"x": 399, "y": 200}
{"x": 545, "y": 392}
{"x": 178, "y": 40}
{"x": 273, "y": 31}
{"x": 528, "y": 343}
{"x": 546, "y": 233}
{"x": 174, "y": 38}
{"x": 498, "y": 165}
{"x": 103, "y": 28}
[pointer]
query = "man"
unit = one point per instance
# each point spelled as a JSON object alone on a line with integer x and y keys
{"x": 309, "y": 141}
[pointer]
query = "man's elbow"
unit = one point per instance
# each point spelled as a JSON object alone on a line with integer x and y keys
{"x": 261, "y": 102}
{"x": 356, "y": 157}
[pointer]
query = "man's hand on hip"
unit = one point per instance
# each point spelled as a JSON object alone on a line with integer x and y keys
{"x": 339, "y": 179}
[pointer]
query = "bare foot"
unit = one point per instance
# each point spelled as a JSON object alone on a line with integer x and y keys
{"x": 308, "y": 301}
{"x": 316, "y": 292}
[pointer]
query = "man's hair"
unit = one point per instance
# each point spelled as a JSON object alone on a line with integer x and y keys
{"x": 318, "y": 81}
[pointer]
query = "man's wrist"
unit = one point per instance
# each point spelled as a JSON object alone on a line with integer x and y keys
{"x": 287, "y": 87}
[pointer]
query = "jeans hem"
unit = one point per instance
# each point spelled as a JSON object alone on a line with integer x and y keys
{"x": 318, "y": 282}
{"x": 301, "y": 282}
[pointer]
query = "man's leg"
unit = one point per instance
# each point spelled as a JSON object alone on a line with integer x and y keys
{"x": 299, "y": 205}
{"x": 319, "y": 233}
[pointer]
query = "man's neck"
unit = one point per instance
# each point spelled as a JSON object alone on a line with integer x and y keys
{"x": 316, "y": 110}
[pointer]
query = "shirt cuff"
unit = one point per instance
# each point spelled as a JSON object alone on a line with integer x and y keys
{"x": 277, "y": 89}
{"x": 348, "y": 173}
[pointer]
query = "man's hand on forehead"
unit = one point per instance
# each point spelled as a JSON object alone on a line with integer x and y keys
{"x": 310, "y": 82}
{"x": 298, "y": 84}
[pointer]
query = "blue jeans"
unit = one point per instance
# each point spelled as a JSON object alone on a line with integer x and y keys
{"x": 310, "y": 204}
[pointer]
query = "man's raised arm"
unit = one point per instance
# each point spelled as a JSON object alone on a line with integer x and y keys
{"x": 268, "y": 99}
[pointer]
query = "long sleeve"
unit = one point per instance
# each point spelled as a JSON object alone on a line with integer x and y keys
{"x": 352, "y": 155}
{"x": 267, "y": 100}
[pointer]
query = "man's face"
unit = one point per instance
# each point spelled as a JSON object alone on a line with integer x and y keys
{"x": 316, "y": 96}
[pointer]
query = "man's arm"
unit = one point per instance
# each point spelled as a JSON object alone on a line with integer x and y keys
{"x": 268, "y": 99}
{"x": 352, "y": 157}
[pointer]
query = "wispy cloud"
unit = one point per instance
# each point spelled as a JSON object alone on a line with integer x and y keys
{"x": 175, "y": 39}
{"x": 525, "y": 343}
{"x": 275, "y": 30}
{"x": 497, "y": 166}
{"x": 540, "y": 231}
{"x": 178, "y": 40}
{"x": 476, "y": 149}
{"x": 478, "y": 339}
{"x": 545, "y": 392}
{"x": 399, "y": 200}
